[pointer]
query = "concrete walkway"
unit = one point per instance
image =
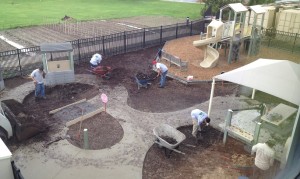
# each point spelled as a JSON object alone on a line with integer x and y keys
{"x": 62, "y": 160}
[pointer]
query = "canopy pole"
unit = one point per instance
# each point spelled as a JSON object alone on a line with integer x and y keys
{"x": 295, "y": 141}
{"x": 211, "y": 96}
{"x": 253, "y": 93}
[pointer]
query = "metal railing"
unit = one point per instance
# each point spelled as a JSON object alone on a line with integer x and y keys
{"x": 281, "y": 40}
{"x": 20, "y": 62}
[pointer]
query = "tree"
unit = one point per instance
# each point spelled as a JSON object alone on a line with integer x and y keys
{"x": 256, "y": 2}
{"x": 217, "y": 4}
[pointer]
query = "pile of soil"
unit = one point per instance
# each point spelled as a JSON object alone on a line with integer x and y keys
{"x": 143, "y": 76}
{"x": 37, "y": 112}
{"x": 24, "y": 124}
{"x": 104, "y": 131}
{"x": 68, "y": 18}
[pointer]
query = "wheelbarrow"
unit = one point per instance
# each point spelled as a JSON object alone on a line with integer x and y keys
{"x": 168, "y": 138}
{"x": 24, "y": 125}
{"x": 143, "y": 80}
{"x": 102, "y": 71}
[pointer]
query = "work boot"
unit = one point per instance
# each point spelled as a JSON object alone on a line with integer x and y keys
{"x": 44, "y": 97}
{"x": 200, "y": 138}
{"x": 196, "y": 140}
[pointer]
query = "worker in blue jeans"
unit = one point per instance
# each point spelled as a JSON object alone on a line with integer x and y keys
{"x": 38, "y": 76}
{"x": 162, "y": 70}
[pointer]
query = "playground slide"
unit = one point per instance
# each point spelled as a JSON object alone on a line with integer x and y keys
{"x": 212, "y": 55}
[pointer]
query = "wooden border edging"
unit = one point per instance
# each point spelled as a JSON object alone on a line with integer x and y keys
{"x": 58, "y": 109}
{"x": 82, "y": 118}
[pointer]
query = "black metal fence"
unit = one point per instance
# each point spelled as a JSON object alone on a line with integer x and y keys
{"x": 21, "y": 62}
{"x": 281, "y": 40}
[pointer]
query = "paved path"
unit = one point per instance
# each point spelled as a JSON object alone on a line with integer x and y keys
{"x": 62, "y": 160}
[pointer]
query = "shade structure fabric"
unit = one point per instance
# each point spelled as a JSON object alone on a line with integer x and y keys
{"x": 280, "y": 78}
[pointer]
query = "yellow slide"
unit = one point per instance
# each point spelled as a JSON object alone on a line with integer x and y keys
{"x": 211, "y": 55}
{"x": 213, "y": 35}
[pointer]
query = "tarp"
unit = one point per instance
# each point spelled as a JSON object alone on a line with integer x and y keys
{"x": 280, "y": 78}
{"x": 56, "y": 47}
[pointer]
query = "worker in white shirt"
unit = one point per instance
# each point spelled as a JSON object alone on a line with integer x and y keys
{"x": 199, "y": 117}
{"x": 162, "y": 70}
{"x": 264, "y": 159}
{"x": 38, "y": 76}
{"x": 95, "y": 60}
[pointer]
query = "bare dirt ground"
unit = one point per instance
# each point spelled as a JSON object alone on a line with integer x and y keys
{"x": 104, "y": 131}
{"x": 174, "y": 97}
{"x": 207, "y": 157}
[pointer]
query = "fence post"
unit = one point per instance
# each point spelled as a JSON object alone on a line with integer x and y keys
{"x": 78, "y": 46}
{"x": 124, "y": 36}
{"x": 227, "y": 124}
{"x": 20, "y": 67}
{"x": 144, "y": 37}
{"x": 191, "y": 28}
{"x": 160, "y": 34}
{"x": 86, "y": 139}
{"x": 103, "y": 46}
{"x": 176, "y": 30}
{"x": 294, "y": 42}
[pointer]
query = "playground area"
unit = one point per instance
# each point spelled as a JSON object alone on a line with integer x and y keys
{"x": 129, "y": 150}
{"x": 137, "y": 112}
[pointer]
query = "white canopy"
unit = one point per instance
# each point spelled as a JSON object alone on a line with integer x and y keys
{"x": 280, "y": 78}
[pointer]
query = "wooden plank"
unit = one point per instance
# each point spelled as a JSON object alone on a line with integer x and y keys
{"x": 240, "y": 133}
{"x": 82, "y": 118}
{"x": 58, "y": 109}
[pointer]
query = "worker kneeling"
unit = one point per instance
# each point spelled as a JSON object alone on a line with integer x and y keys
{"x": 95, "y": 60}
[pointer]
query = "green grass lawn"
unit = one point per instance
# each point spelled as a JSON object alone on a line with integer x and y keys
{"x": 14, "y": 13}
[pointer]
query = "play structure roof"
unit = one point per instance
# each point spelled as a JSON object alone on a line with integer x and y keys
{"x": 280, "y": 78}
{"x": 56, "y": 47}
{"x": 258, "y": 9}
{"x": 215, "y": 23}
{"x": 238, "y": 7}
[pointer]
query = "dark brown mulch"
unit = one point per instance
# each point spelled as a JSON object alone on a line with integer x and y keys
{"x": 103, "y": 132}
{"x": 174, "y": 96}
{"x": 208, "y": 159}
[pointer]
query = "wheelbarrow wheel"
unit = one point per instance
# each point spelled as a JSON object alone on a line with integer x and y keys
{"x": 106, "y": 76}
{"x": 158, "y": 145}
{"x": 168, "y": 152}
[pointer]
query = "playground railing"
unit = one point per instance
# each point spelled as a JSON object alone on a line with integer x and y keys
{"x": 175, "y": 60}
